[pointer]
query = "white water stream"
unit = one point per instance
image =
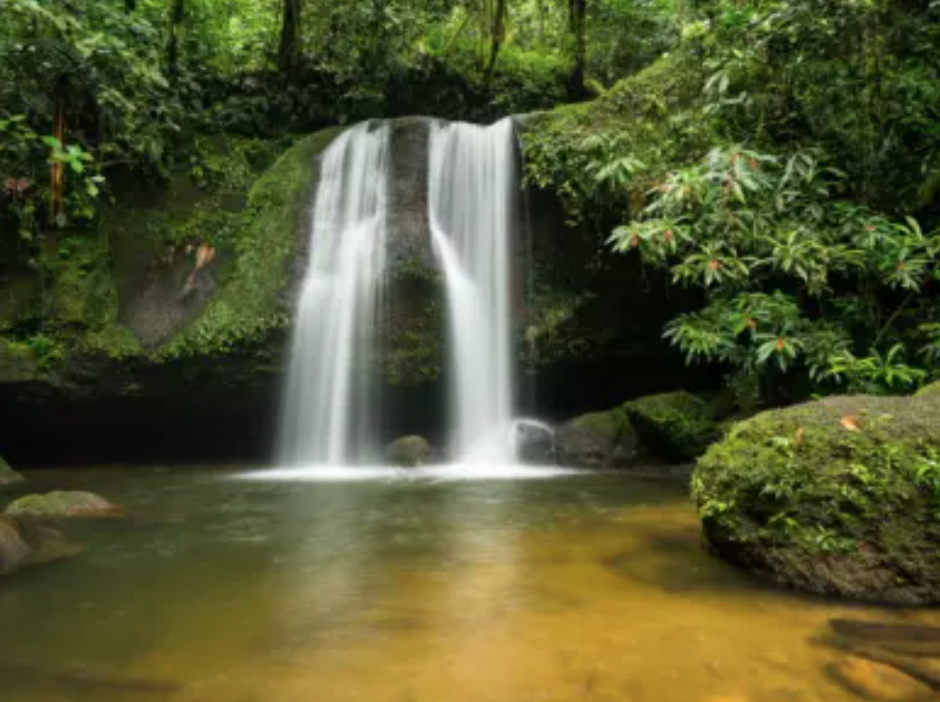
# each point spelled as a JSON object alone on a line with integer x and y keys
{"x": 472, "y": 183}
{"x": 330, "y": 414}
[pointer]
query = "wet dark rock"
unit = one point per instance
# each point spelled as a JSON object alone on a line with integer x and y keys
{"x": 63, "y": 505}
{"x": 534, "y": 443}
{"x": 24, "y": 543}
{"x": 878, "y": 682}
{"x": 913, "y": 639}
{"x": 408, "y": 452}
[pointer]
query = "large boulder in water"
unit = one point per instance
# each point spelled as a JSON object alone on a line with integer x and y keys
{"x": 836, "y": 497}
{"x": 63, "y": 505}
{"x": 598, "y": 440}
{"x": 408, "y": 452}
{"x": 676, "y": 426}
{"x": 8, "y": 476}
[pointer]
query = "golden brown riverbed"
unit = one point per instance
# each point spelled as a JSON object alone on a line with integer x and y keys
{"x": 576, "y": 588}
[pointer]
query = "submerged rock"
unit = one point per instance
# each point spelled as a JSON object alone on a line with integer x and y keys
{"x": 60, "y": 504}
{"x": 676, "y": 426}
{"x": 24, "y": 543}
{"x": 8, "y": 476}
{"x": 13, "y": 549}
{"x": 598, "y": 441}
{"x": 836, "y": 497}
{"x": 408, "y": 452}
{"x": 876, "y": 681}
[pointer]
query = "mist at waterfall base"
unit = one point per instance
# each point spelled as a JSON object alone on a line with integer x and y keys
{"x": 330, "y": 415}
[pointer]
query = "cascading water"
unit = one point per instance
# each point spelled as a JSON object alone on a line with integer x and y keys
{"x": 472, "y": 185}
{"x": 329, "y": 415}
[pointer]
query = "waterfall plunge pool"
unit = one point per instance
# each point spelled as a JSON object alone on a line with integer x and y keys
{"x": 226, "y": 586}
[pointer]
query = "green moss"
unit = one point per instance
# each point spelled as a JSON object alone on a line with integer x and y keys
{"x": 858, "y": 476}
{"x": 250, "y": 301}
{"x": 408, "y": 452}
{"x": 114, "y": 341}
{"x": 677, "y": 425}
{"x": 931, "y": 389}
{"x": 18, "y": 362}
{"x": 649, "y": 116}
{"x": 608, "y": 424}
{"x": 60, "y": 503}
{"x": 20, "y": 301}
{"x": 81, "y": 290}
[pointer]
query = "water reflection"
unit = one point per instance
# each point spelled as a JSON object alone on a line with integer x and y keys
{"x": 586, "y": 588}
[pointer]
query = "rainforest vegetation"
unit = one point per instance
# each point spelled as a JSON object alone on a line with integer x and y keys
{"x": 780, "y": 159}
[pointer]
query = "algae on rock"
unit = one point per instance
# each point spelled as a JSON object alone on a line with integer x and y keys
{"x": 598, "y": 440}
{"x": 677, "y": 426}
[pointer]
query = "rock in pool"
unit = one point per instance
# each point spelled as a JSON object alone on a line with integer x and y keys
{"x": 24, "y": 543}
{"x": 61, "y": 504}
{"x": 835, "y": 497}
{"x": 408, "y": 452}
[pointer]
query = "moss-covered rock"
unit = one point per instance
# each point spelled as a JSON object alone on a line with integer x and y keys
{"x": 837, "y": 497}
{"x": 931, "y": 389}
{"x": 274, "y": 225}
{"x": 676, "y": 426}
{"x": 599, "y": 440}
{"x": 61, "y": 504}
{"x": 408, "y": 452}
{"x": 8, "y": 476}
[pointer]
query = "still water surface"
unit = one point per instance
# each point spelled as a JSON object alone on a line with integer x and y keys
{"x": 571, "y": 588}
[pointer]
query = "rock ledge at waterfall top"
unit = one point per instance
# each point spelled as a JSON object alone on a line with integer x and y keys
{"x": 836, "y": 497}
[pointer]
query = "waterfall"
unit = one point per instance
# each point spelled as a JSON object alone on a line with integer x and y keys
{"x": 329, "y": 414}
{"x": 472, "y": 185}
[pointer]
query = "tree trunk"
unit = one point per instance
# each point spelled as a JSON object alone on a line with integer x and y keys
{"x": 289, "y": 50}
{"x": 577, "y": 17}
{"x": 177, "y": 14}
{"x": 497, "y": 37}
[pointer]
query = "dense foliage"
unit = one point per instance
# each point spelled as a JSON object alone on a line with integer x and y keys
{"x": 785, "y": 161}
{"x": 780, "y": 158}
{"x": 100, "y": 101}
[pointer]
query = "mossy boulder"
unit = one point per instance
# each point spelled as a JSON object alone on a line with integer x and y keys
{"x": 24, "y": 543}
{"x": 408, "y": 452}
{"x": 599, "y": 440}
{"x": 61, "y": 504}
{"x": 676, "y": 426}
{"x": 8, "y": 476}
{"x": 836, "y": 497}
{"x": 931, "y": 389}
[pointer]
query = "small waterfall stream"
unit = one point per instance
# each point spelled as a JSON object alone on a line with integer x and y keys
{"x": 472, "y": 183}
{"x": 329, "y": 414}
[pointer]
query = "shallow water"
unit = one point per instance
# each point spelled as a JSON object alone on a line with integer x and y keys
{"x": 433, "y": 589}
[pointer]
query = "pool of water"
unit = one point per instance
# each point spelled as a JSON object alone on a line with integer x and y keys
{"x": 231, "y": 587}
